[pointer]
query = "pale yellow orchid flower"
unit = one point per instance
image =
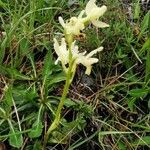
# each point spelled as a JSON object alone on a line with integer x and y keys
{"x": 61, "y": 51}
{"x": 88, "y": 60}
{"x": 79, "y": 58}
{"x": 74, "y": 25}
{"x": 93, "y": 13}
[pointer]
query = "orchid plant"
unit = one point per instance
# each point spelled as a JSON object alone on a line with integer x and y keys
{"x": 68, "y": 51}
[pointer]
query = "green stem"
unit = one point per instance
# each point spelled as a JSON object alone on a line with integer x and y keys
{"x": 60, "y": 106}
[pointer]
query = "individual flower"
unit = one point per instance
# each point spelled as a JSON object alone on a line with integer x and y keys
{"x": 74, "y": 25}
{"x": 93, "y": 13}
{"x": 88, "y": 60}
{"x": 61, "y": 51}
{"x": 79, "y": 58}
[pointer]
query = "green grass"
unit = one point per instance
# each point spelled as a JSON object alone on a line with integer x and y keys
{"x": 112, "y": 114}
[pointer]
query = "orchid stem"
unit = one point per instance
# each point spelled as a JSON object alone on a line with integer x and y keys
{"x": 56, "y": 121}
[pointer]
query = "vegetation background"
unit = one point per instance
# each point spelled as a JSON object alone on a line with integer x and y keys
{"x": 108, "y": 110}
